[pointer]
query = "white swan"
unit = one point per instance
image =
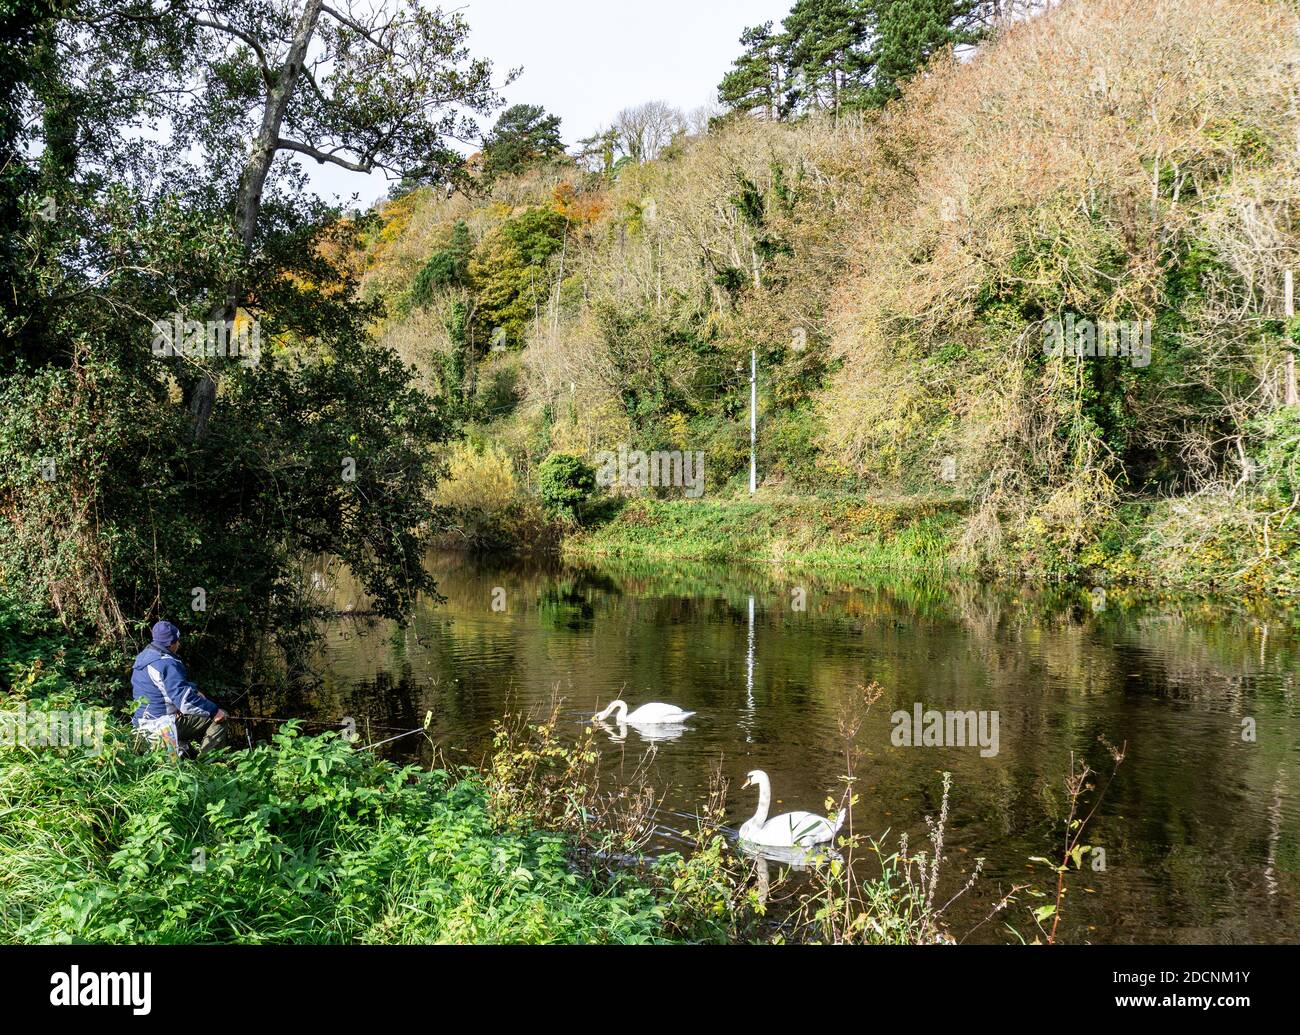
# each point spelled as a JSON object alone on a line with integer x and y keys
{"x": 646, "y": 715}
{"x": 792, "y": 828}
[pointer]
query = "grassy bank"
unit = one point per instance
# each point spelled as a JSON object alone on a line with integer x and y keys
{"x": 303, "y": 840}
{"x": 843, "y": 533}
{"x": 1180, "y": 545}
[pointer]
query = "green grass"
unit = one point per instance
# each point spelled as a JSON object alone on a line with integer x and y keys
{"x": 843, "y": 533}
{"x": 305, "y": 840}
{"x": 1166, "y": 546}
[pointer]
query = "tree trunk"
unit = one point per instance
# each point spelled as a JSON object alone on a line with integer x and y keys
{"x": 251, "y": 185}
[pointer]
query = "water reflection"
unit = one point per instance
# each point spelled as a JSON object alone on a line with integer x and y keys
{"x": 784, "y": 861}
{"x": 794, "y": 858}
{"x": 652, "y": 733}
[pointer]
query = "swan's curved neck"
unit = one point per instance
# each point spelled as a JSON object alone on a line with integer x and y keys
{"x": 617, "y": 707}
{"x": 764, "y": 801}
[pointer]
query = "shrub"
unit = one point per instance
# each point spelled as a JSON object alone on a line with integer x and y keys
{"x": 566, "y": 484}
{"x": 445, "y": 269}
{"x": 480, "y": 504}
{"x": 498, "y": 391}
{"x": 1278, "y": 454}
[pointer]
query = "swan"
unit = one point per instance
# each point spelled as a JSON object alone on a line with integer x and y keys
{"x": 788, "y": 830}
{"x": 646, "y": 715}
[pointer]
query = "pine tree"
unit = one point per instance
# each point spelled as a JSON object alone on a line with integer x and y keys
{"x": 908, "y": 33}
{"x": 826, "y": 50}
{"x": 840, "y": 55}
{"x": 754, "y": 84}
{"x": 523, "y": 136}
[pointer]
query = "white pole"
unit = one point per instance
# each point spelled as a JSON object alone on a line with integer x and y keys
{"x": 753, "y": 422}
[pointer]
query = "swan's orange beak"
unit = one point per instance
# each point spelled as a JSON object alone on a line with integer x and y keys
{"x": 747, "y": 783}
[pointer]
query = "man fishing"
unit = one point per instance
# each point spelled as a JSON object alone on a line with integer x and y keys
{"x": 172, "y": 710}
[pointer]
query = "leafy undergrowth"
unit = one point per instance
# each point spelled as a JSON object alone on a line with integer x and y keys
{"x": 304, "y": 840}
{"x": 1210, "y": 544}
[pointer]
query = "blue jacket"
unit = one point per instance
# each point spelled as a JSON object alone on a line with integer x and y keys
{"x": 159, "y": 679}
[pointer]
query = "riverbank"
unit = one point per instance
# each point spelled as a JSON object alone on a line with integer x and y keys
{"x": 1181, "y": 545}
{"x": 847, "y": 533}
{"x": 305, "y": 839}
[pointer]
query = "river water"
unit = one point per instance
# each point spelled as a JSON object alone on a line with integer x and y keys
{"x": 1200, "y": 827}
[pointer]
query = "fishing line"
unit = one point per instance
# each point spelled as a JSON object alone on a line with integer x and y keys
{"x": 401, "y": 736}
{"x": 308, "y": 722}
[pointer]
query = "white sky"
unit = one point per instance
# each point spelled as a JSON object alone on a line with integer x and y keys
{"x": 584, "y": 60}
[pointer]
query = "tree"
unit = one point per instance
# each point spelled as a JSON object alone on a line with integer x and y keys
{"x": 909, "y": 32}
{"x": 322, "y": 444}
{"x": 826, "y": 49}
{"x": 644, "y": 131}
{"x": 25, "y": 30}
{"x": 701, "y": 120}
{"x": 448, "y": 267}
{"x": 841, "y": 55}
{"x": 754, "y": 84}
{"x": 362, "y": 89}
{"x": 523, "y": 136}
{"x": 566, "y": 484}
{"x": 509, "y": 274}
{"x": 600, "y": 149}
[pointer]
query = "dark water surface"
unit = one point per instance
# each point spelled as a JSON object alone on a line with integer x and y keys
{"x": 1201, "y": 827}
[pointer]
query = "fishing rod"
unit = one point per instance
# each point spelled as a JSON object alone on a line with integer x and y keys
{"x": 310, "y": 722}
{"x": 250, "y": 688}
{"x": 402, "y": 735}
{"x": 307, "y": 722}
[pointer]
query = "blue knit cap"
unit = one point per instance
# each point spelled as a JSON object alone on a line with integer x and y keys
{"x": 165, "y": 634}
